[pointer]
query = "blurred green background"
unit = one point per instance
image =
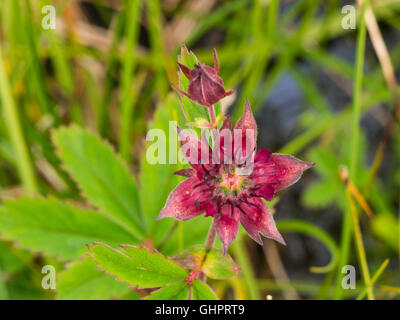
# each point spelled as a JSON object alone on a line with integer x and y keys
{"x": 316, "y": 93}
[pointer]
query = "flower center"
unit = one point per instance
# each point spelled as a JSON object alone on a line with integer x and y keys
{"x": 230, "y": 185}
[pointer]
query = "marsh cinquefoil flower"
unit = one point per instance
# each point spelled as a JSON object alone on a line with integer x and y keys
{"x": 222, "y": 191}
{"x": 205, "y": 85}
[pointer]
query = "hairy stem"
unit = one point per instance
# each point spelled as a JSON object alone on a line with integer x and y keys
{"x": 211, "y": 113}
{"x": 212, "y": 232}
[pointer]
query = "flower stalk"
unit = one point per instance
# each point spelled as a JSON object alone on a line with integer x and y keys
{"x": 212, "y": 233}
{"x": 213, "y": 118}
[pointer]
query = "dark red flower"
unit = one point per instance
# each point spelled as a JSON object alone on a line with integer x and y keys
{"x": 222, "y": 191}
{"x": 205, "y": 85}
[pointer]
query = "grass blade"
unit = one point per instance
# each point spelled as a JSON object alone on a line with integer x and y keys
{"x": 25, "y": 166}
{"x": 128, "y": 67}
{"x": 374, "y": 278}
{"x": 355, "y": 137}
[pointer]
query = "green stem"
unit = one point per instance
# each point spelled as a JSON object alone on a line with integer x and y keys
{"x": 307, "y": 228}
{"x": 375, "y": 277}
{"x": 244, "y": 263}
{"x": 158, "y": 55}
{"x": 358, "y": 71}
{"x": 181, "y": 236}
{"x": 111, "y": 66}
{"x": 212, "y": 116}
{"x": 344, "y": 252}
{"x": 355, "y": 128}
{"x": 25, "y": 166}
{"x": 212, "y": 233}
{"x": 360, "y": 248}
{"x": 128, "y": 95}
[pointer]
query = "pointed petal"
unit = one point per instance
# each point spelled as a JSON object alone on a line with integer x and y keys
{"x": 247, "y": 121}
{"x": 290, "y": 169}
{"x": 216, "y": 62}
{"x": 226, "y": 124}
{"x": 185, "y": 70}
{"x": 180, "y": 91}
{"x": 228, "y": 93}
{"x": 266, "y": 173}
{"x": 280, "y": 171}
{"x": 185, "y": 172}
{"x": 204, "y": 138}
{"x": 262, "y": 155}
{"x": 227, "y": 224}
{"x": 247, "y": 129}
{"x": 195, "y": 151}
{"x": 257, "y": 219}
{"x": 266, "y": 191}
{"x": 186, "y": 201}
{"x": 225, "y": 142}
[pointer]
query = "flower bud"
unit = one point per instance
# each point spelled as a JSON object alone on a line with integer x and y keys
{"x": 205, "y": 85}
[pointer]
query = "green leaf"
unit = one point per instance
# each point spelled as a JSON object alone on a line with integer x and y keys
{"x": 201, "y": 291}
{"x": 137, "y": 266}
{"x": 82, "y": 281}
{"x": 3, "y": 287}
{"x": 217, "y": 265}
{"x": 386, "y": 227}
{"x": 12, "y": 259}
{"x": 157, "y": 180}
{"x": 101, "y": 175}
{"x": 131, "y": 295}
{"x": 174, "y": 291}
{"x": 327, "y": 163}
{"x": 55, "y": 228}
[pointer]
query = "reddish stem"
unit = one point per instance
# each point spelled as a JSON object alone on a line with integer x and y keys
{"x": 211, "y": 113}
{"x": 193, "y": 275}
{"x": 212, "y": 232}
